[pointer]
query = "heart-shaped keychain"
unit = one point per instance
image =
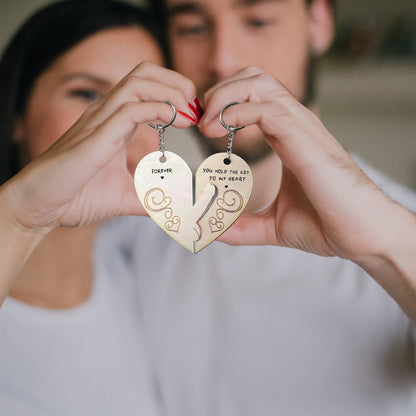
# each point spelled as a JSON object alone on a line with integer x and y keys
{"x": 223, "y": 185}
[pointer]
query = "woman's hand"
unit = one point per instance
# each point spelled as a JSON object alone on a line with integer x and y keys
{"x": 83, "y": 178}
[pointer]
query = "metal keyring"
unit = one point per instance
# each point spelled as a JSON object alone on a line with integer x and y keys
{"x": 163, "y": 126}
{"x": 226, "y": 126}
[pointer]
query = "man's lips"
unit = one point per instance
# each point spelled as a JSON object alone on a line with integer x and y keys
{"x": 196, "y": 111}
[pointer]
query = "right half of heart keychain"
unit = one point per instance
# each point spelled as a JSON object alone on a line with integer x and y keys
{"x": 223, "y": 185}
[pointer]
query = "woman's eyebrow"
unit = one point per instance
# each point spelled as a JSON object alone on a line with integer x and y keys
{"x": 86, "y": 76}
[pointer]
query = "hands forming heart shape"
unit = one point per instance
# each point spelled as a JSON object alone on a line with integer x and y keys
{"x": 194, "y": 219}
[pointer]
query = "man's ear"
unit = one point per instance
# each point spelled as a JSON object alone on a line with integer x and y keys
{"x": 321, "y": 26}
{"x": 18, "y": 130}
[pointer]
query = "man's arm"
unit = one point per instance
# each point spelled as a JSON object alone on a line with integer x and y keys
{"x": 394, "y": 266}
{"x": 326, "y": 204}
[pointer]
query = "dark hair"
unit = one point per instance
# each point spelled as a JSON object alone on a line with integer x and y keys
{"x": 159, "y": 4}
{"x": 47, "y": 35}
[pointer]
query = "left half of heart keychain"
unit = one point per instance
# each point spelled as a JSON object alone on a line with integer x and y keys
{"x": 223, "y": 185}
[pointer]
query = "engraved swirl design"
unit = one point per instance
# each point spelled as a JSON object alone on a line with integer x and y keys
{"x": 231, "y": 202}
{"x": 155, "y": 200}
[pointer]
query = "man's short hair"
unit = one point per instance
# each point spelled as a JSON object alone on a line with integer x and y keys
{"x": 158, "y": 7}
{"x": 158, "y": 4}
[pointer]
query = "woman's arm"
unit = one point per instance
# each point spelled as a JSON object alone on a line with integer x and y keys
{"x": 83, "y": 178}
{"x": 17, "y": 242}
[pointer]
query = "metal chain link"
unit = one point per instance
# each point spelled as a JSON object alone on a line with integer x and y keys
{"x": 161, "y": 134}
{"x": 231, "y": 134}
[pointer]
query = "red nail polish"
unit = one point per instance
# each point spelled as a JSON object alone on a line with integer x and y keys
{"x": 196, "y": 109}
{"x": 192, "y": 108}
{"x": 187, "y": 116}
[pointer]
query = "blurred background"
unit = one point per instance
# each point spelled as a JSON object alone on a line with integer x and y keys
{"x": 366, "y": 85}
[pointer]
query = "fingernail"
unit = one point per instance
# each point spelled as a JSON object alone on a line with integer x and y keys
{"x": 196, "y": 109}
{"x": 187, "y": 116}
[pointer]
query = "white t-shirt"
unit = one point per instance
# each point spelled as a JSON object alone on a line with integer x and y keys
{"x": 231, "y": 331}
{"x": 259, "y": 331}
{"x": 87, "y": 360}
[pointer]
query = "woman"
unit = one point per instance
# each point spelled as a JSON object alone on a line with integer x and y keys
{"x": 207, "y": 322}
{"x": 71, "y": 339}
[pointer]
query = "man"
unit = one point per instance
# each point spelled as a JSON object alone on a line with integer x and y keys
{"x": 268, "y": 330}
{"x": 250, "y": 330}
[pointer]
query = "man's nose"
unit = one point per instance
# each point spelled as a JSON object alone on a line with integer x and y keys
{"x": 227, "y": 52}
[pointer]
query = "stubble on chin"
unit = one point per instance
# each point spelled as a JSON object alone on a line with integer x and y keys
{"x": 250, "y": 153}
{"x": 260, "y": 149}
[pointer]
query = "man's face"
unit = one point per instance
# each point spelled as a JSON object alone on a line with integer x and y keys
{"x": 213, "y": 39}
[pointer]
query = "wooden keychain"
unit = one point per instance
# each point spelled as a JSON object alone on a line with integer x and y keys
{"x": 223, "y": 184}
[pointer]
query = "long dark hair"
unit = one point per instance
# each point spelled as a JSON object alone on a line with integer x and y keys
{"x": 47, "y": 35}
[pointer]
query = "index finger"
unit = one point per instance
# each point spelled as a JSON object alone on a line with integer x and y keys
{"x": 259, "y": 88}
{"x": 153, "y": 72}
{"x": 248, "y": 72}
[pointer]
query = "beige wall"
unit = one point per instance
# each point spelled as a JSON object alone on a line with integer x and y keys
{"x": 369, "y": 106}
{"x": 371, "y": 109}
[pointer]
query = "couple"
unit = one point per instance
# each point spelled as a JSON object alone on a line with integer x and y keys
{"x": 117, "y": 318}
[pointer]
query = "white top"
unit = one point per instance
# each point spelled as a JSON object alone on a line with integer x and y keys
{"x": 231, "y": 331}
{"x": 87, "y": 360}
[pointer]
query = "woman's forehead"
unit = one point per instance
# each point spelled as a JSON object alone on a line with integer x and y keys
{"x": 111, "y": 52}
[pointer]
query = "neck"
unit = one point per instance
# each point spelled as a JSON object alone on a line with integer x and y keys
{"x": 59, "y": 273}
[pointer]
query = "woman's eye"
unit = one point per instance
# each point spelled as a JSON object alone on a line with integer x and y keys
{"x": 85, "y": 94}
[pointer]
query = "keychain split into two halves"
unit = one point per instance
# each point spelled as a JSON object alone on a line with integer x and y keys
{"x": 223, "y": 185}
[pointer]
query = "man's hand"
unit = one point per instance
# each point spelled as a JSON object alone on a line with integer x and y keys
{"x": 326, "y": 204}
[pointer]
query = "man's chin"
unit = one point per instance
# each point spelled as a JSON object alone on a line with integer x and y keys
{"x": 253, "y": 153}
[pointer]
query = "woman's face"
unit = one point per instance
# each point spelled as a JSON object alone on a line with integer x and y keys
{"x": 77, "y": 79}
